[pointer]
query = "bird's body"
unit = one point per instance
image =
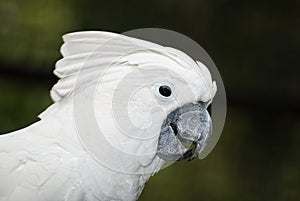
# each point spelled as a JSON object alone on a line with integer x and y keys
{"x": 36, "y": 165}
{"x": 58, "y": 159}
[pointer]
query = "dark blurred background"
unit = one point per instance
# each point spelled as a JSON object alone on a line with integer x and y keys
{"x": 256, "y": 47}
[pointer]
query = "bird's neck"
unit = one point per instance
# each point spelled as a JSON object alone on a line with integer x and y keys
{"x": 103, "y": 180}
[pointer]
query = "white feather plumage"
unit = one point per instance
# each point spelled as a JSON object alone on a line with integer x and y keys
{"x": 47, "y": 160}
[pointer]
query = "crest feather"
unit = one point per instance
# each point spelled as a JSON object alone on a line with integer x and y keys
{"x": 90, "y": 52}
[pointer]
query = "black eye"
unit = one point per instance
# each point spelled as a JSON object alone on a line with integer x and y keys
{"x": 165, "y": 91}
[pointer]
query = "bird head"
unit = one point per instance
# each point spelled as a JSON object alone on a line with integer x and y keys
{"x": 136, "y": 103}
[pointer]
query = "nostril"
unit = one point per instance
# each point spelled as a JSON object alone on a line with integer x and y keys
{"x": 174, "y": 128}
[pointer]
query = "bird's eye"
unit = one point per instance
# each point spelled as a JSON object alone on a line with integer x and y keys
{"x": 165, "y": 91}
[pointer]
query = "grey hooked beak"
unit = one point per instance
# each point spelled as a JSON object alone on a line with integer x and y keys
{"x": 185, "y": 133}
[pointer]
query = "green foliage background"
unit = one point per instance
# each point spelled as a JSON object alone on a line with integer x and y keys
{"x": 256, "y": 46}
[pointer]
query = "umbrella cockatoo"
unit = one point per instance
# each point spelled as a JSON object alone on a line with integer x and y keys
{"x": 122, "y": 108}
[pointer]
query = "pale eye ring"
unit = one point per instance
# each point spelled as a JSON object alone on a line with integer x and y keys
{"x": 164, "y": 92}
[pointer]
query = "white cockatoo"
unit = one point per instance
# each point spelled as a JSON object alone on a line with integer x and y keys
{"x": 122, "y": 108}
